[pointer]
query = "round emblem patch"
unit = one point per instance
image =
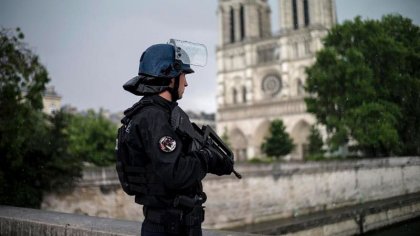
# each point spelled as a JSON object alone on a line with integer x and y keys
{"x": 167, "y": 144}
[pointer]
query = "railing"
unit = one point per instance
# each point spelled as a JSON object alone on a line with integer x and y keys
{"x": 24, "y": 221}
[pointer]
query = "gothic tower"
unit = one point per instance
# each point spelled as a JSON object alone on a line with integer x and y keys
{"x": 260, "y": 76}
{"x": 297, "y": 14}
{"x": 243, "y": 20}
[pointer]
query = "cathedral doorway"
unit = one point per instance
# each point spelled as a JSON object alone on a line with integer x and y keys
{"x": 261, "y": 132}
{"x": 299, "y": 134}
{"x": 239, "y": 145}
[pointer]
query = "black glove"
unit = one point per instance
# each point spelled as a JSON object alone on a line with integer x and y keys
{"x": 216, "y": 163}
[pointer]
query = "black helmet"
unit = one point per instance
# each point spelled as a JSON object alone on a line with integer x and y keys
{"x": 159, "y": 61}
{"x": 162, "y": 62}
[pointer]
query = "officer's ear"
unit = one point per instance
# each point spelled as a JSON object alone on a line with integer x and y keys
{"x": 172, "y": 83}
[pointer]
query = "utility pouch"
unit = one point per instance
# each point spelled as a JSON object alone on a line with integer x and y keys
{"x": 172, "y": 221}
{"x": 195, "y": 217}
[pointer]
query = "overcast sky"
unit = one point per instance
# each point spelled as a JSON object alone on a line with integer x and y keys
{"x": 91, "y": 47}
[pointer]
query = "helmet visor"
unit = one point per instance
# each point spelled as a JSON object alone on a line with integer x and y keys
{"x": 190, "y": 53}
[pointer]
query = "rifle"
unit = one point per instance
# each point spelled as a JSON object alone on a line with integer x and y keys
{"x": 201, "y": 136}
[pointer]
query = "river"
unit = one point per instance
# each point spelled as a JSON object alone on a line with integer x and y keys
{"x": 408, "y": 228}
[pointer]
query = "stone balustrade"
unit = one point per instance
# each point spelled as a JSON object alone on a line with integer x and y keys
{"x": 31, "y": 222}
{"x": 267, "y": 192}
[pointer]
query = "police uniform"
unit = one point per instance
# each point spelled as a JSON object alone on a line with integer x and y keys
{"x": 163, "y": 172}
{"x": 156, "y": 146}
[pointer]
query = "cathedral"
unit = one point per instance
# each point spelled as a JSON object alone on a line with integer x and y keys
{"x": 261, "y": 75}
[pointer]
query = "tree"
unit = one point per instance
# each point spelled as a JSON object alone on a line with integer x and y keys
{"x": 315, "y": 142}
{"x": 225, "y": 138}
{"x": 364, "y": 86}
{"x": 278, "y": 143}
{"x": 92, "y": 138}
{"x": 33, "y": 152}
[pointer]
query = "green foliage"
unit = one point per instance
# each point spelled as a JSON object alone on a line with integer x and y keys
{"x": 63, "y": 167}
{"x": 260, "y": 160}
{"x": 278, "y": 143}
{"x": 365, "y": 86}
{"x": 321, "y": 157}
{"x": 225, "y": 138}
{"x": 33, "y": 148}
{"x": 317, "y": 157}
{"x": 92, "y": 138}
{"x": 315, "y": 142}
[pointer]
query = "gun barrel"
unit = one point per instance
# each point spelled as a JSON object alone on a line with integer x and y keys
{"x": 239, "y": 176}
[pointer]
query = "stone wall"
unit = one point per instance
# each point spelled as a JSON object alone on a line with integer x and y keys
{"x": 98, "y": 194}
{"x": 15, "y": 221}
{"x": 265, "y": 193}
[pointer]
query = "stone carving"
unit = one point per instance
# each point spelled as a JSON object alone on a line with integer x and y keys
{"x": 271, "y": 85}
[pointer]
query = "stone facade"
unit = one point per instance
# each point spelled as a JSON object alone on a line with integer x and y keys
{"x": 260, "y": 76}
{"x": 266, "y": 192}
{"x": 202, "y": 118}
{"x": 292, "y": 190}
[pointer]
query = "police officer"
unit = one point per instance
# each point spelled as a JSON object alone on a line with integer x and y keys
{"x": 164, "y": 174}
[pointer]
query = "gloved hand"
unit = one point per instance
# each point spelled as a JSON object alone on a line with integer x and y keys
{"x": 216, "y": 163}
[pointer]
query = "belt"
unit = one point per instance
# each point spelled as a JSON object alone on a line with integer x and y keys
{"x": 164, "y": 216}
{"x": 174, "y": 221}
{"x": 186, "y": 215}
{"x": 152, "y": 227}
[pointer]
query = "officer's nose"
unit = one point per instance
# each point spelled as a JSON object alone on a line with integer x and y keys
{"x": 186, "y": 83}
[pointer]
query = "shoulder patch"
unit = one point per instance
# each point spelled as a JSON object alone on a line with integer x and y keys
{"x": 167, "y": 144}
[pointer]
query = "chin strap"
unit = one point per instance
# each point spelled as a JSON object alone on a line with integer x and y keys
{"x": 174, "y": 90}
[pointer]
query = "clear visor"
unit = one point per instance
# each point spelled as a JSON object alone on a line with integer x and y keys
{"x": 190, "y": 53}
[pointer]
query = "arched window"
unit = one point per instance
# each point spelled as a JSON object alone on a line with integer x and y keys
{"x": 260, "y": 23}
{"x": 243, "y": 94}
{"x": 232, "y": 25}
{"x": 242, "y": 18}
{"x": 295, "y": 14}
{"x": 234, "y": 95}
{"x": 306, "y": 12}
